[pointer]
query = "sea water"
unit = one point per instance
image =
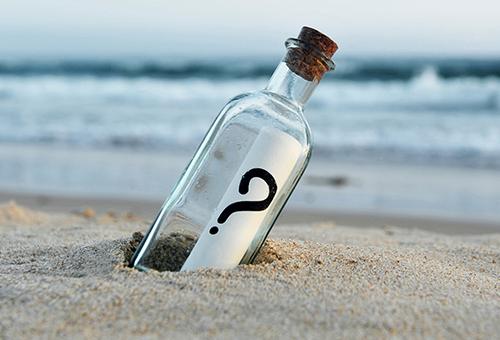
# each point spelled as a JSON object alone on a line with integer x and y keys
{"x": 411, "y": 112}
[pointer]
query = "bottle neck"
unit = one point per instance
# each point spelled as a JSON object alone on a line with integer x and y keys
{"x": 291, "y": 86}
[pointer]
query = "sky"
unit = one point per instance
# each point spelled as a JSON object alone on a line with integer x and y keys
{"x": 225, "y": 27}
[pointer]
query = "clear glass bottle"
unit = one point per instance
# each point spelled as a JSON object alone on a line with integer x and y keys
{"x": 231, "y": 193}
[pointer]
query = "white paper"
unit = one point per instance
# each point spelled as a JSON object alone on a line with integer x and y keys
{"x": 276, "y": 153}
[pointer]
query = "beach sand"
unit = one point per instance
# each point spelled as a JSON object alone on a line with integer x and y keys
{"x": 63, "y": 275}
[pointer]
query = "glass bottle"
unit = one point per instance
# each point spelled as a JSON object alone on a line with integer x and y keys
{"x": 231, "y": 193}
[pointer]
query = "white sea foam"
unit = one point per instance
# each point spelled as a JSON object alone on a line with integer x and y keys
{"x": 426, "y": 117}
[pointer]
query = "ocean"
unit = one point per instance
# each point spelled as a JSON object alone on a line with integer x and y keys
{"x": 427, "y": 111}
{"x": 423, "y": 112}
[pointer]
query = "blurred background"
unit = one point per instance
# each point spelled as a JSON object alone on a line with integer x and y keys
{"x": 102, "y": 103}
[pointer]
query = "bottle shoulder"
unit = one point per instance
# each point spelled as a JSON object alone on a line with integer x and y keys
{"x": 265, "y": 103}
{"x": 260, "y": 109}
{"x": 265, "y": 98}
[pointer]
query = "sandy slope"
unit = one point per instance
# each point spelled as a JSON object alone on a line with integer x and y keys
{"x": 62, "y": 275}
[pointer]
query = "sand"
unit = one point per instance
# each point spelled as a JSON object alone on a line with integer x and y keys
{"x": 55, "y": 203}
{"x": 63, "y": 275}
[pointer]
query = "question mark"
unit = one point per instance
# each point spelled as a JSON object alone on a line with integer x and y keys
{"x": 249, "y": 205}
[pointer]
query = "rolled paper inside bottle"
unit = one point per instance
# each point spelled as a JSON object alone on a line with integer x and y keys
{"x": 223, "y": 245}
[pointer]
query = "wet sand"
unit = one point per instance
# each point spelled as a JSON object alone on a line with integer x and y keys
{"x": 147, "y": 209}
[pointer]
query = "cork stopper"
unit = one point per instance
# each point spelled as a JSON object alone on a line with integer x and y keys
{"x": 309, "y": 55}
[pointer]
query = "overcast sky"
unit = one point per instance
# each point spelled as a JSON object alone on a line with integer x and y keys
{"x": 149, "y": 28}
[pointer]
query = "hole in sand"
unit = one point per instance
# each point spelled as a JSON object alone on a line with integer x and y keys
{"x": 170, "y": 252}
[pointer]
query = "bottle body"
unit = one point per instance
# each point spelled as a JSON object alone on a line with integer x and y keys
{"x": 233, "y": 190}
{"x": 254, "y": 131}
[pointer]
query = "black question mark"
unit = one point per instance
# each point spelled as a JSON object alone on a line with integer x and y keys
{"x": 249, "y": 205}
